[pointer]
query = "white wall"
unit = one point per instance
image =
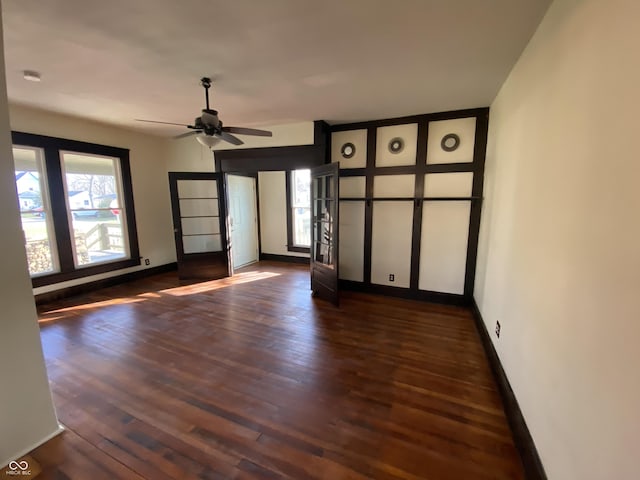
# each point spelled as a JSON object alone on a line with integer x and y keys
{"x": 273, "y": 214}
{"x": 148, "y": 159}
{"x": 27, "y": 417}
{"x": 188, "y": 155}
{"x": 559, "y": 256}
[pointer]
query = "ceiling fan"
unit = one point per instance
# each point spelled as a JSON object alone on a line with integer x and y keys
{"x": 208, "y": 127}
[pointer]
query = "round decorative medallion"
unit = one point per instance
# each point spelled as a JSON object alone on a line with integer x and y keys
{"x": 396, "y": 145}
{"x": 450, "y": 142}
{"x": 348, "y": 150}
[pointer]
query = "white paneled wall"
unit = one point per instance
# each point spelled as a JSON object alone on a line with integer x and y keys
{"x": 389, "y": 186}
{"x": 464, "y": 128}
{"x": 407, "y": 134}
{"x": 353, "y": 187}
{"x": 443, "y": 246}
{"x": 444, "y": 207}
{"x": 351, "y": 246}
{"x": 458, "y": 184}
{"x": 354, "y": 145}
{"x": 391, "y": 243}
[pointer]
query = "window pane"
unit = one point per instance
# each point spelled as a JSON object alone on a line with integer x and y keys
{"x": 301, "y": 188}
{"x": 35, "y": 211}
{"x": 302, "y": 227}
{"x": 94, "y": 204}
{"x": 301, "y": 203}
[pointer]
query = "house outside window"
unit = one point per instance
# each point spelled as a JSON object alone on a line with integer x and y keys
{"x": 92, "y": 184}
{"x": 35, "y": 210}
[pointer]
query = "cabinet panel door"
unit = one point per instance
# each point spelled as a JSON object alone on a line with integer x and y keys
{"x": 390, "y": 186}
{"x": 353, "y": 187}
{"x": 443, "y": 246}
{"x": 391, "y": 243}
{"x": 457, "y": 184}
{"x": 351, "y": 248}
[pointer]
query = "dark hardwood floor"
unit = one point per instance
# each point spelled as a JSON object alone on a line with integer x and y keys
{"x": 250, "y": 377}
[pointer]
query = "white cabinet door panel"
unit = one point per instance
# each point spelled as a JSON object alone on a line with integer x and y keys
{"x": 391, "y": 243}
{"x": 443, "y": 246}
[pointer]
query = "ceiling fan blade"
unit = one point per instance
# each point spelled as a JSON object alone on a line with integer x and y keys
{"x": 227, "y": 137}
{"x": 188, "y": 134}
{"x": 165, "y": 123}
{"x": 248, "y": 131}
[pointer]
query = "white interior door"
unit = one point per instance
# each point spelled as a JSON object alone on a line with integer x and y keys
{"x": 243, "y": 220}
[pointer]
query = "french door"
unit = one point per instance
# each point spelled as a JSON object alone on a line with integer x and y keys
{"x": 324, "y": 231}
{"x": 199, "y": 222}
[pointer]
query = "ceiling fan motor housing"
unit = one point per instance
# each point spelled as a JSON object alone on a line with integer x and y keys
{"x": 209, "y": 118}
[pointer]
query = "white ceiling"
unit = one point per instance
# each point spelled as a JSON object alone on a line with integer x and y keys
{"x": 273, "y": 61}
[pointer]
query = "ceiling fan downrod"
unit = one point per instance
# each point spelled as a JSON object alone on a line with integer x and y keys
{"x": 206, "y": 83}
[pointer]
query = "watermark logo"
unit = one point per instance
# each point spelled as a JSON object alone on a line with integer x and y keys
{"x": 23, "y": 465}
{"x": 20, "y": 468}
{"x": 25, "y": 468}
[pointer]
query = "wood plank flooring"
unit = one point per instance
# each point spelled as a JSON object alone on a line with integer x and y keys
{"x": 251, "y": 377}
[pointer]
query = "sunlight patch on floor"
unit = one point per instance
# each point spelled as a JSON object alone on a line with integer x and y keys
{"x": 203, "y": 287}
{"x": 87, "y": 306}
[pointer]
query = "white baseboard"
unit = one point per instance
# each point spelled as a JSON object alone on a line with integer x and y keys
{"x": 22, "y": 453}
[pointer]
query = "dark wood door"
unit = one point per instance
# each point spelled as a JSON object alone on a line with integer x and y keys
{"x": 324, "y": 231}
{"x": 199, "y": 222}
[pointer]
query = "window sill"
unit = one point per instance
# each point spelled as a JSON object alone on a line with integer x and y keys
{"x": 59, "y": 277}
{"x": 293, "y": 248}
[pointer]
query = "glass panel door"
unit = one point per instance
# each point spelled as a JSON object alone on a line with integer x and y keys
{"x": 324, "y": 233}
{"x": 199, "y": 219}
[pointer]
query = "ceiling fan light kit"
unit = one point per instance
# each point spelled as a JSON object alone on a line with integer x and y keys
{"x": 208, "y": 140}
{"x": 208, "y": 127}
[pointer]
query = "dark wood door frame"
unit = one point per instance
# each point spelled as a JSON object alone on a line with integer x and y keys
{"x": 201, "y": 266}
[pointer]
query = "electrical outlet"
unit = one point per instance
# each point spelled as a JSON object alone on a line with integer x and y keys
{"x": 392, "y": 277}
{"x": 147, "y": 261}
{"x": 497, "y": 329}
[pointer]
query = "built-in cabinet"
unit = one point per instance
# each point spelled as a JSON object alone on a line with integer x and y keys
{"x": 410, "y": 201}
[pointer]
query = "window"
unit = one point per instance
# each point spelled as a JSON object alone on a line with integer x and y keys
{"x": 92, "y": 190}
{"x": 35, "y": 210}
{"x": 76, "y": 205}
{"x": 299, "y": 210}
